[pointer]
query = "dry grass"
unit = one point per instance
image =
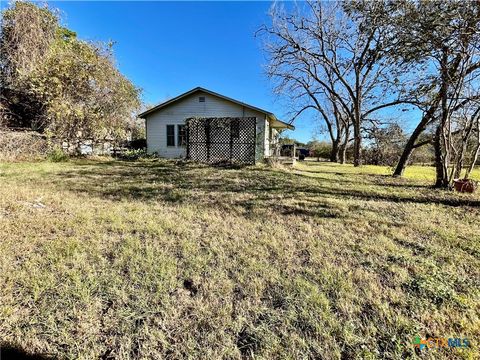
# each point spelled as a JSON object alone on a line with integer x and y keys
{"x": 153, "y": 259}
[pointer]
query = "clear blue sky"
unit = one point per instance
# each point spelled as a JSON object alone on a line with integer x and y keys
{"x": 167, "y": 48}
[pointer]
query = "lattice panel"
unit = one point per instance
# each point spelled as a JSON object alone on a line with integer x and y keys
{"x": 218, "y": 140}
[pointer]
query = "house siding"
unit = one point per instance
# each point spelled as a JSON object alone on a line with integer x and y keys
{"x": 178, "y": 112}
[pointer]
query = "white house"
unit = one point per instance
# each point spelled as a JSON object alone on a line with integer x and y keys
{"x": 220, "y": 128}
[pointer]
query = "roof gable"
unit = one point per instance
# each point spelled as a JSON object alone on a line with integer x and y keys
{"x": 200, "y": 89}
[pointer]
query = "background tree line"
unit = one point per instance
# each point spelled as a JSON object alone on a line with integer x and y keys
{"x": 57, "y": 84}
{"x": 352, "y": 62}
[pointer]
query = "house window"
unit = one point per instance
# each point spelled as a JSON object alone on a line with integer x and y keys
{"x": 182, "y": 136}
{"x": 170, "y": 135}
{"x": 235, "y": 129}
{"x": 201, "y": 99}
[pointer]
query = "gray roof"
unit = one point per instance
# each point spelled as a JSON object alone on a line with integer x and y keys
{"x": 190, "y": 92}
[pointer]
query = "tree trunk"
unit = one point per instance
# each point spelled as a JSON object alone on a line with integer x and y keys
{"x": 476, "y": 152}
{"x": 441, "y": 177}
{"x": 410, "y": 146}
{"x": 357, "y": 145}
{"x": 335, "y": 151}
{"x": 442, "y": 135}
{"x": 463, "y": 149}
{"x": 344, "y": 145}
{"x": 357, "y": 123}
{"x": 342, "y": 154}
{"x": 459, "y": 167}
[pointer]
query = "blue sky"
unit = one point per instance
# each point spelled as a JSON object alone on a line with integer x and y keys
{"x": 167, "y": 48}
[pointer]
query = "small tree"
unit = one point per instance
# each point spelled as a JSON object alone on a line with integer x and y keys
{"x": 319, "y": 149}
{"x": 386, "y": 145}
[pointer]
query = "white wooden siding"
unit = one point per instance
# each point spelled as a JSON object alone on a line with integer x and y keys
{"x": 178, "y": 112}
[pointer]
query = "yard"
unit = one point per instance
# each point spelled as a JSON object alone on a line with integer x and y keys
{"x": 156, "y": 259}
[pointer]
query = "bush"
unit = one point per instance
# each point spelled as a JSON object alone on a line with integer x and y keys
{"x": 135, "y": 154}
{"x": 56, "y": 154}
{"x": 22, "y": 145}
{"x": 320, "y": 149}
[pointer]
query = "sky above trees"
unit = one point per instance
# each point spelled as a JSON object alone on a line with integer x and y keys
{"x": 169, "y": 48}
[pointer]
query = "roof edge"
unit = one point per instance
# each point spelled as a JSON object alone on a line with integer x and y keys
{"x": 194, "y": 90}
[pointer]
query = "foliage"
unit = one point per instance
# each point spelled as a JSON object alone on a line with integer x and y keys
{"x": 135, "y": 154}
{"x": 138, "y": 130}
{"x": 442, "y": 38}
{"x": 386, "y": 145}
{"x": 286, "y": 140}
{"x": 99, "y": 104}
{"x": 80, "y": 92}
{"x": 27, "y": 32}
{"x": 320, "y": 149}
{"x": 155, "y": 260}
{"x": 56, "y": 154}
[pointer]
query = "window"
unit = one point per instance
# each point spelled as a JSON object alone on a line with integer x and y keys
{"x": 201, "y": 99}
{"x": 235, "y": 129}
{"x": 170, "y": 135}
{"x": 182, "y": 136}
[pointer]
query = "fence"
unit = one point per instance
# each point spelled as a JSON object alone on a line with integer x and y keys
{"x": 221, "y": 139}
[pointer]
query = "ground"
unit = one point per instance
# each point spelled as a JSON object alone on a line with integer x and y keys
{"x": 157, "y": 259}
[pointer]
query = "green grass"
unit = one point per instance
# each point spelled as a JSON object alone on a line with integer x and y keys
{"x": 156, "y": 259}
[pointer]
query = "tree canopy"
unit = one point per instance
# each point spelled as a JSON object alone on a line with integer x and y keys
{"x": 54, "y": 82}
{"x": 349, "y": 61}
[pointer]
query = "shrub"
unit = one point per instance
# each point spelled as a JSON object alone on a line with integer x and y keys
{"x": 320, "y": 149}
{"x": 134, "y": 154}
{"x": 22, "y": 145}
{"x": 56, "y": 154}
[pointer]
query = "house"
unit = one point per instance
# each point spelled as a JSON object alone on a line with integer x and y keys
{"x": 206, "y": 126}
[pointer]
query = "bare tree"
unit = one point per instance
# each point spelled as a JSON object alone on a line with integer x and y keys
{"x": 475, "y": 150}
{"x": 467, "y": 124}
{"x": 442, "y": 38}
{"x": 320, "y": 49}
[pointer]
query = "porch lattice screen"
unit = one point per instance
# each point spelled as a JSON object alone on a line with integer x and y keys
{"x": 221, "y": 139}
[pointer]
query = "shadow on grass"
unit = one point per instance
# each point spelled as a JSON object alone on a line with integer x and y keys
{"x": 10, "y": 352}
{"x": 247, "y": 188}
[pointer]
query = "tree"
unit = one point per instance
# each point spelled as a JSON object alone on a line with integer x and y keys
{"x": 87, "y": 97}
{"x": 386, "y": 145}
{"x": 443, "y": 38}
{"x": 27, "y": 32}
{"x": 326, "y": 56}
{"x": 319, "y": 149}
{"x": 79, "y": 93}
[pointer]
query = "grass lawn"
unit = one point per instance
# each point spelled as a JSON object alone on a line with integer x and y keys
{"x": 153, "y": 259}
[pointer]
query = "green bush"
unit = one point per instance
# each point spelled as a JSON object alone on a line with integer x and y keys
{"x": 135, "y": 154}
{"x": 56, "y": 154}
